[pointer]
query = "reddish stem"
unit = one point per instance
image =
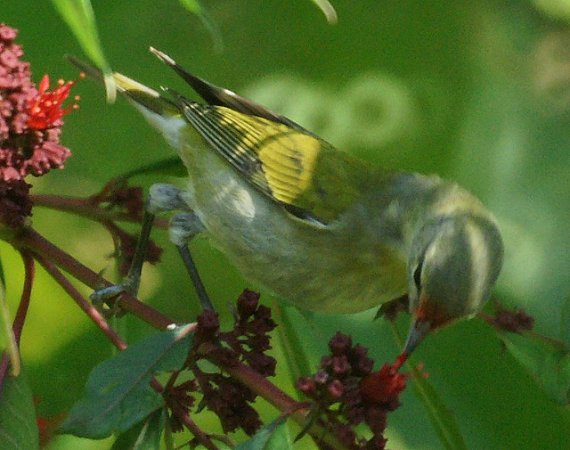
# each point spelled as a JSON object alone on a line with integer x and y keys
{"x": 3, "y": 370}
{"x": 253, "y": 380}
{"x": 30, "y": 271}
{"x": 198, "y": 432}
{"x": 22, "y": 311}
{"x": 42, "y": 248}
{"x": 93, "y": 313}
{"x": 89, "y": 309}
{"x": 104, "y": 326}
{"x": 272, "y": 394}
{"x": 86, "y": 208}
{"x": 51, "y": 256}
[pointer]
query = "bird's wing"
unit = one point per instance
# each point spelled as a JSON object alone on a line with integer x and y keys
{"x": 293, "y": 167}
{"x": 303, "y": 173}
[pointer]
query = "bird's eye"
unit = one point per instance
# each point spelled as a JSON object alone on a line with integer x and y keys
{"x": 418, "y": 275}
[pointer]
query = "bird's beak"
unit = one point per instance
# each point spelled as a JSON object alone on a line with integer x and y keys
{"x": 418, "y": 331}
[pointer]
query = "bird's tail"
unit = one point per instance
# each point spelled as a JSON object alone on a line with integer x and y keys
{"x": 141, "y": 95}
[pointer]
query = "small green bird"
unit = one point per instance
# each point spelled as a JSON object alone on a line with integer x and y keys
{"x": 314, "y": 225}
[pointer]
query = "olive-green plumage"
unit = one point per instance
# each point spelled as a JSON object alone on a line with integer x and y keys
{"x": 315, "y": 225}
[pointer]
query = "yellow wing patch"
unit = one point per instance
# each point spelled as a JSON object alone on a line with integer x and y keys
{"x": 288, "y": 162}
{"x": 279, "y": 160}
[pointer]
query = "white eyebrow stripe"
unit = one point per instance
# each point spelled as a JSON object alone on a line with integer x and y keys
{"x": 480, "y": 265}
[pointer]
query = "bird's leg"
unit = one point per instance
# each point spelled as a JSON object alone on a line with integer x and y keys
{"x": 183, "y": 227}
{"x": 162, "y": 197}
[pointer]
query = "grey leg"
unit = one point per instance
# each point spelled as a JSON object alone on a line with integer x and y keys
{"x": 183, "y": 227}
{"x": 162, "y": 197}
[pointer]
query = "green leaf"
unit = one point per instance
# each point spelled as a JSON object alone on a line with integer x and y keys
{"x": 18, "y": 428}
{"x": 80, "y": 18}
{"x": 328, "y": 10}
{"x": 441, "y": 417}
{"x": 145, "y": 435}
{"x": 118, "y": 394}
{"x": 295, "y": 351}
{"x": 548, "y": 362}
{"x": 195, "y": 7}
{"x": 273, "y": 436}
{"x": 170, "y": 166}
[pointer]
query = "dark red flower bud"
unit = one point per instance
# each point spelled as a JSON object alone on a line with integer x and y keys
{"x": 247, "y": 303}
{"x": 514, "y": 321}
{"x": 307, "y": 385}
{"x": 340, "y": 343}
{"x": 335, "y": 389}
{"x": 340, "y": 365}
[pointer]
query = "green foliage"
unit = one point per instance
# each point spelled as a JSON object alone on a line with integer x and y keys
{"x": 18, "y": 428}
{"x": 79, "y": 16}
{"x": 145, "y": 435}
{"x": 547, "y": 361}
{"x": 118, "y": 394}
{"x": 273, "y": 436}
{"x": 195, "y": 7}
{"x": 327, "y": 9}
{"x": 443, "y": 420}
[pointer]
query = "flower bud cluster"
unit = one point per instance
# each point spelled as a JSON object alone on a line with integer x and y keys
{"x": 30, "y": 128}
{"x": 515, "y": 321}
{"x": 348, "y": 393}
{"x": 247, "y": 343}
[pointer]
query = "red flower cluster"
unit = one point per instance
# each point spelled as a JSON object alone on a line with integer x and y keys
{"x": 30, "y": 119}
{"x": 348, "y": 393}
{"x": 30, "y": 124}
{"x": 46, "y": 109}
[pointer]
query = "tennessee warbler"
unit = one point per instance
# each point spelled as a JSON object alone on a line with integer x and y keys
{"x": 317, "y": 226}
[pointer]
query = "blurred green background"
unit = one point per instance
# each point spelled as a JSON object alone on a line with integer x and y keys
{"x": 477, "y": 92}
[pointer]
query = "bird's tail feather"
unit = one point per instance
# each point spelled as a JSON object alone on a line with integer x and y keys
{"x": 138, "y": 93}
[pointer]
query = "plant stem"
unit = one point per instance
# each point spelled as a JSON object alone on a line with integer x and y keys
{"x": 198, "y": 432}
{"x": 40, "y": 247}
{"x": 87, "y": 307}
{"x": 86, "y": 208}
{"x": 30, "y": 271}
{"x": 10, "y": 357}
{"x": 272, "y": 394}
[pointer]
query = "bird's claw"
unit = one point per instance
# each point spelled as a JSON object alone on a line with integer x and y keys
{"x": 105, "y": 299}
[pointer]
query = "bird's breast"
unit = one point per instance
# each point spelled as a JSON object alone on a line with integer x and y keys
{"x": 325, "y": 269}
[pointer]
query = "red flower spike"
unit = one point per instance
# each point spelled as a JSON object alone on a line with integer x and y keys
{"x": 45, "y": 109}
{"x": 30, "y": 117}
{"x": 383, "y": 386}
{"x": 348, "y": 394}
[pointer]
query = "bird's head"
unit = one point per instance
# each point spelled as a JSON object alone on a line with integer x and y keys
{"x": 453, "y": 264}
